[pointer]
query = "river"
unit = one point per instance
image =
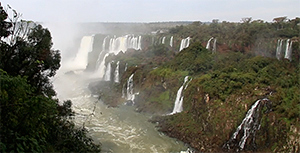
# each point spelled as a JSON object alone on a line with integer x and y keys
{"x": 121, "y": 129}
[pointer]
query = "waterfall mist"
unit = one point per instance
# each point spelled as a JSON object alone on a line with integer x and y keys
{"x": 118, "y": 129}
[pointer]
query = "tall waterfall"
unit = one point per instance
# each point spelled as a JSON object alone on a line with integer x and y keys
{"x": 184, "y": 43}
{"x": 288, "y": 50}
{"x": 171, "y": 41}
{"x": 208, "y": 43}
{"x": 248, "y": 127}
{"x": 278, "y": 49}
{"x": 123, "y": 43}
{"x": 126, "y": 65}
{"x": 163, "y": 40}
{"x": 102, "y": 53}
{"x": 116, "y": 45}
{"x": 116, "y": 74}
{"x": 140, "y": 42}
{"x": 214, "y": 50}
{"x": 86, "y": 46}
{"x": 107, "y": 75}
{"x": 123, "y": 91}
{"x": 130, "y": 95}
{"x": 179, "y": 97}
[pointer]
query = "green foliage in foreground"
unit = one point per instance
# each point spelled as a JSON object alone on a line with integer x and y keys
{"x": 35, "y": 123}
{"x": 31, "y": 119}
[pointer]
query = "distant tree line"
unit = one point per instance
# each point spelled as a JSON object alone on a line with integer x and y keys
{"x": 244, "y": 36}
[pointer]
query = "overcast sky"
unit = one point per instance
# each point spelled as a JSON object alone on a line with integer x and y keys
{"x": 153, "y": 10}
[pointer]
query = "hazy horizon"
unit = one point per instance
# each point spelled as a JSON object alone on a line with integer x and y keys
{"x": 133, "y": 11}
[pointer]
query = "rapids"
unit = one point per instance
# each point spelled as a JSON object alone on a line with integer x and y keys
{"x": 120, "y": 130}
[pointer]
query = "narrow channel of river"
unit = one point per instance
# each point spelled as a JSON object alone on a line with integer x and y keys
{"x": 120, "y": 130}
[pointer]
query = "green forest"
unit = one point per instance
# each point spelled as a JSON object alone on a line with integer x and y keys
{"x": 32, "y": 119}
{"x": 224, "y": 84}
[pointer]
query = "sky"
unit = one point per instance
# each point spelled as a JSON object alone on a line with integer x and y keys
{"x": 152, "y": 10}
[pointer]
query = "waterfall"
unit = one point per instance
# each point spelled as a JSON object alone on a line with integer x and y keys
{"x": 102, "y": 53}
{"x": 86, "y": 46}
{"x": 208, "y": 43}
{"x": 116, "y": 74}
{"x": 130, "y": 95}
{"x": 140, "y": 43}
{"x": 129, "y": 90}
{"x": 179, "y": 97}
{"x": 126, "y": 65}
{"x": 279, "y": 48}
{"x": 107, "y": 75}
{"x": 288, "y": 50}
{"x": 163, "y": 40}
{"x": 116, "y": 45}
{"x": 101, "y": 68}
{"x": 171, "y": 41}
{"x": 184, "y": 43}
{"x": 248, "y": 127}
{"x": 214, "y": 50}
{"x": 123, "y": 91}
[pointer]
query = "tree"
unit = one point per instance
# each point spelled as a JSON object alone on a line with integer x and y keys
{"x": 31, "y": 119}
{"x": 35, "y": 123}
{"x": 159, "y": 50}
{"x": 279, "y": 21}
{"x": 4, "y": 32}
{"x": 246, "y": 20}
{"x": 27, "y": 52}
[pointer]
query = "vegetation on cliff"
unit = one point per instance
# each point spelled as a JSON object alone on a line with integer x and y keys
{"x": 218, "y": 98}
{"x": 224, "y": 85}
{"x": 32, "y": 120}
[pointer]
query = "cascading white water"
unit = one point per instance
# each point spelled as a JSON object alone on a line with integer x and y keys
{"x": 208, "y": 43}
{"x": 123, "y": 91}
{"x": 171, "y": 41}
{"x": 246, "y": 125}
{"x": 107, "y": 75}
{"x": 123, "y": 43}
{"x": 126, "y": 65}
{"x": 287, "y": 47}
{"x": 249, "y": 125}
{"x": 116, "y": 45}
{"x": 163, "y": 40}
{"x": 102, "y": 53}
{"x": 214, "y": 50}
{"x": 179, "y": 97}
{"x": 184, "y": 43}
{"x": 86, "y": 46}
{"x": 120, "y": 129}
{"x": 130, "y": 95}
{"x": 288, "y": 50}
{"x": 116, "y": 74}
{"x": 129, "y": 88}
{"x": 278, "y": 49}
